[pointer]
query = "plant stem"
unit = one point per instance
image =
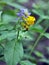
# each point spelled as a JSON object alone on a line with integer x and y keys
{"x": 17, "y": 34}
{"x": 36, "y": 42}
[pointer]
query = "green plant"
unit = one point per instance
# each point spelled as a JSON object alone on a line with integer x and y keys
{"x": 13, "y": 37}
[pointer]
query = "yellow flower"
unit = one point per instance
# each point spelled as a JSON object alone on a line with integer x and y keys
{"x": 28, "y": 21}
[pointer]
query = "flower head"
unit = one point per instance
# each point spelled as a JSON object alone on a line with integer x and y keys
{"x": 28, "y": 20}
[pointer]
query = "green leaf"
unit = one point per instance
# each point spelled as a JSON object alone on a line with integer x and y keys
{"x": 26, "y": 62}
{"x": 44, "y": 60}
{"x": 15, "y": 5}
{"x": 46, "y": 35}
{"x": 36, "y": 28}
{"x": 39, "y": 54}
{"x": 9, "y": 11}
{"x": 6, "y": 35}
{"x": 38, "y": 12}
{"x": 13, "y": 52}
{"x": 8, "y": 18}
{"x": 6, "y": 27}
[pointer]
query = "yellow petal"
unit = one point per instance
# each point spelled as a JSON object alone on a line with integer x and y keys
{"x": 29, "y": 20}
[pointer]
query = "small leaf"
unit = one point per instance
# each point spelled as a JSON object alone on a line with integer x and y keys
{"x": 26, "y": 63}
{"x": 13, "y": 52}
{"x": 44, "y": 60}
{"x": 39, "y": 54}
{"x": 46, "y": 35}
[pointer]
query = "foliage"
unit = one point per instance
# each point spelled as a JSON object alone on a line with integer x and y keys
{"x": 13, "y": 37}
